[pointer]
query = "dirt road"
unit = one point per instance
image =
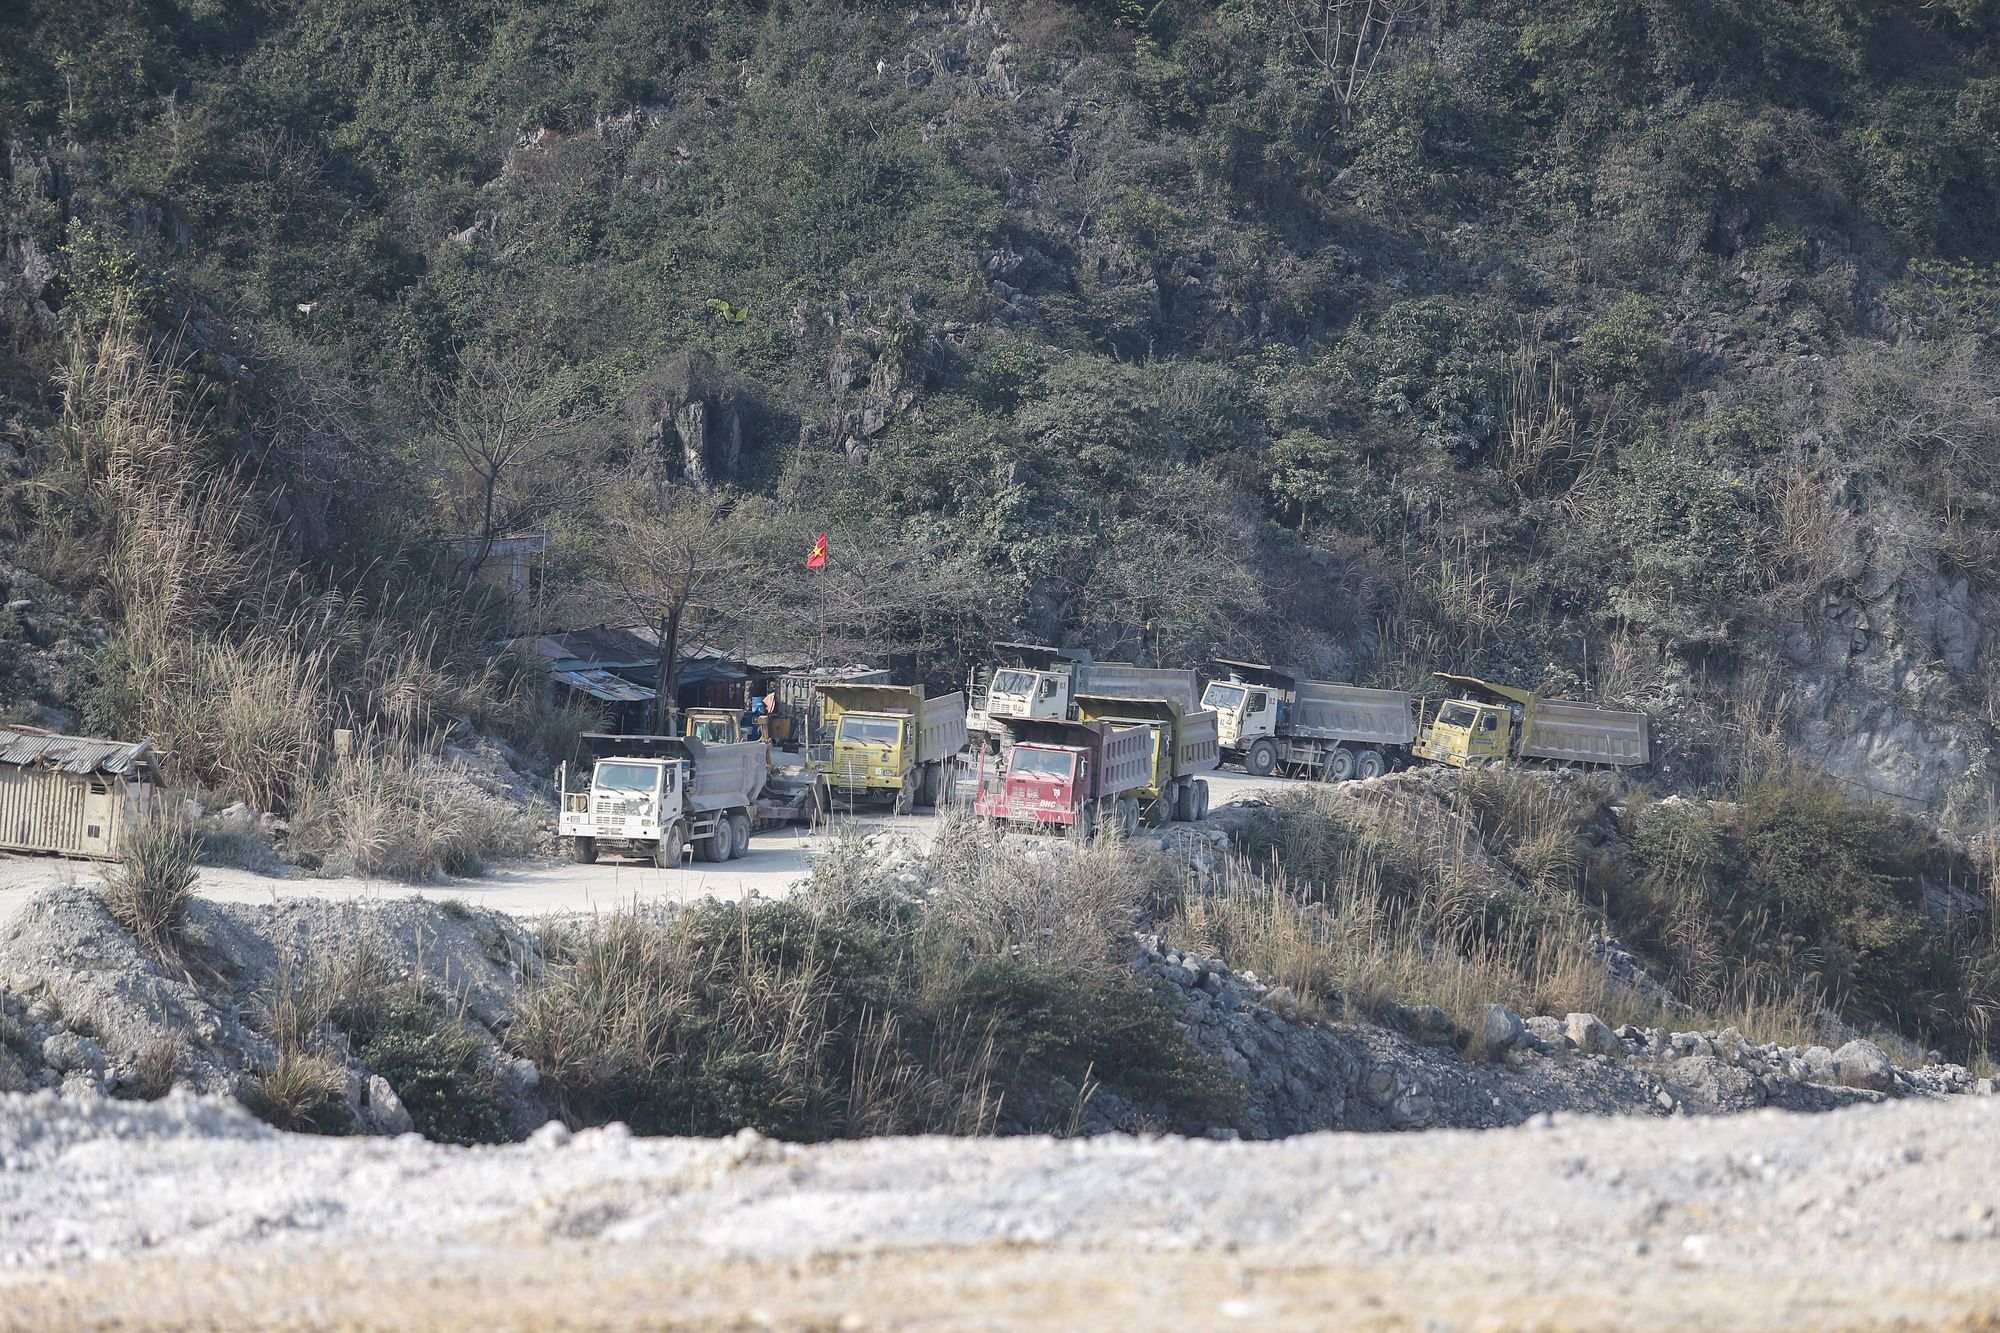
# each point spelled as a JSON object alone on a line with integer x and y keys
{"x": 777, "y": 860}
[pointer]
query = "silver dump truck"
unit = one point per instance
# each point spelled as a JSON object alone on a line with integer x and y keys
{"x": 1271, "y": 720}
{"x": 1033, "y": 682}
{"x": 654, "y": 796}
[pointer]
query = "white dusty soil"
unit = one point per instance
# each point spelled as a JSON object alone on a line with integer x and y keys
{"x": 188, "y": 1214}
{"x": 778, "y": 859}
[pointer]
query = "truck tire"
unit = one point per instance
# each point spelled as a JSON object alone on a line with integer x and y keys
{"x": 1161, "y": 812}
{"x": 1184, "y": 802}
{"x": 1370, "y": 765}
{"x": 1201, "y": 798}
{"x": 583, "y": 851}
{"x": 1128, "y": 815}
{"x": 739, "y": 826}
{"x": 718, "y": 845}
{"x": 1085, "y": 827}
{"x": 671, "y": 851}
{"x": 948, "y": 793}
{"x": 1338, "y": 765}
{"x": 905, "y": 796}
{"x": 1261, "y": 760}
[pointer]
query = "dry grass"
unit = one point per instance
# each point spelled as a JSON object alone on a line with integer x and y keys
{"x": 1396, "y": 913}
{"x": 152, "y": 1074}
{"x": 300, "y": 1094}
{"x": 411, "y": 820}
{"x": 888, "y": 995}
{"x": 148, "y": 894}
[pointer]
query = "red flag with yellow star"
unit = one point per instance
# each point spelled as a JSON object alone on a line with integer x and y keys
{"x": 817, "y": 560}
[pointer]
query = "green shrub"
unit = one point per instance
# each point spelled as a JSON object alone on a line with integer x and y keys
{"x": 435, "y": 1066}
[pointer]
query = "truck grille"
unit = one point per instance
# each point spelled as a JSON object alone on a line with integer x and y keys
{"x": 610, "y": 807}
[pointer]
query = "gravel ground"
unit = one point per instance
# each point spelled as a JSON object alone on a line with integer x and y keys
{"x": 188, "y": 1214}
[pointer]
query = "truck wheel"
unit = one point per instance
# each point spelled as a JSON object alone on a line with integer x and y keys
{"x": 905, "y": 796}
{"x": 1184, "y": 802}
{"x": 1160, "y": 812}
{"x": 1128, "y": 815}
{"x": 948, "y": 791}
{"x": 1085, "y": 827}
{"x": 671, "y": 853}
{"x": 1263, "y": 757}
{"x": 1201, "y": 798}
{"x": 1370, "y": 765}
{"x": 583, "y": 851}
{"x": 1339, "y": 764}
{"x": 718, "y": 845}
{"x": 739, "y": 828}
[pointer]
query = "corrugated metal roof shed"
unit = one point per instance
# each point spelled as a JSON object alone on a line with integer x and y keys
{"x": 75, "y": 754}
{"x": 602, "y": 685}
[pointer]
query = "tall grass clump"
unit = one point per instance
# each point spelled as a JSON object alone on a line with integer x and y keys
{"x": 403, "y": 819}
{"x": 1394, "y": 914}
{"x": 148, "y": 892}
{"x": 988, "y": 995}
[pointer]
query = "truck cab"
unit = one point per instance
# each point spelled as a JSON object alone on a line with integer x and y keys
{"x": 1019, "y": 692}
{"x": 1467, "y": 731}
{"x": 630, "y": 803}
{"x": 870, "y": 749}
{"x": 1243, "y": 712}
{"x": 1043, "y": 783}
{"x": 714, "y": 726}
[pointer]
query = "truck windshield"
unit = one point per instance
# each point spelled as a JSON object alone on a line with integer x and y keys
{"x": 627, "y": 777}
{"x": 1222, "y": 696}
{"x": 871, "y": 730}
{"x": 1455, "y": 715}
{"x": 1047, "y": 762}
{"x": 710, "y": 731}
{"x": 1014, "y": 682}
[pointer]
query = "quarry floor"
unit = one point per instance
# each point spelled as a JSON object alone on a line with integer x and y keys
{"x": 778, "y": 859}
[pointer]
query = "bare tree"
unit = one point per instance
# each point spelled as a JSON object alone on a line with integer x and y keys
{"x": 501, "y": 428}
{"x": 1346, "y": 39}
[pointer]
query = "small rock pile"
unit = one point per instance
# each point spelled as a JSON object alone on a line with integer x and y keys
{"x": 88, "y": 1013}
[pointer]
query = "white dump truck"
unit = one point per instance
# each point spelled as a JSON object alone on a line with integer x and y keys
{"x": 655, "y": 796}
{"x": 1271, "y": 720}
{"x": 1033, "y": 682}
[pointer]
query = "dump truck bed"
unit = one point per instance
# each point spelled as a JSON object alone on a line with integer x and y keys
{"x": 1197, "y": 734}
{"x": 726, "y": 776}
{"x": 940, "y": 727}
{"x": 1116, "y": 680}
{"x": 1322, "y": 710}
{"x": 1586, "y": 734}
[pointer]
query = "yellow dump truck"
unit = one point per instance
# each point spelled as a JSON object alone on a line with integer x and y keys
{"x": 889, "y": 743}
{"x": 1184, "y": 744}
{"x": 1489, "y": 723}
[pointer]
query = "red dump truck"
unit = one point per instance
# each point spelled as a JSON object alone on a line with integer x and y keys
{"x": 1053, "y": 775}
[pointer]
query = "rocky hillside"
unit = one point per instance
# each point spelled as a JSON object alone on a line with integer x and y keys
{"x": 1638, "y": 352}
